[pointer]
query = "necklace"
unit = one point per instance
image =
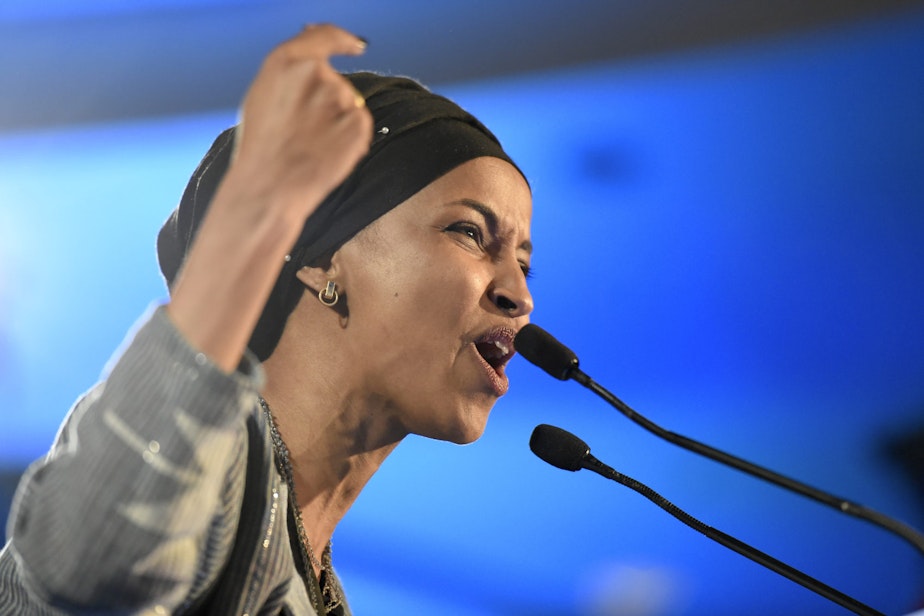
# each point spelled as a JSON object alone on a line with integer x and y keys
{"x": 330, "y": 595}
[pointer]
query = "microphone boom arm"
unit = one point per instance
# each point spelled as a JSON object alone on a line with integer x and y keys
{"x": 736, "y": 545}
{"x": 872, "y": 516}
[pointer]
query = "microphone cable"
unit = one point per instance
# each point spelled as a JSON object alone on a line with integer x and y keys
{"x": 568, "y": 452}
{"x": 539, "y": 347}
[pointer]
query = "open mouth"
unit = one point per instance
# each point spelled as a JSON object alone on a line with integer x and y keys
{"x": 496, "y": 348}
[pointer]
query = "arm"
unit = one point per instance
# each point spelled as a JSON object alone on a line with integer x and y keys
{"x": 116, "y": 516}
{"x": 119, "y": 512}
{"x": 302, "y": 132}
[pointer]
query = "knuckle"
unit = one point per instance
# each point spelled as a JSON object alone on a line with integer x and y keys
{"x": 280, "y": 55}
{"x": 321, "y": 27}
{"x": 359, "y": 119}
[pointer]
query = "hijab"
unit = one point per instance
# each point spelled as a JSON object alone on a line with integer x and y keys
{"x": 418, "y": 137}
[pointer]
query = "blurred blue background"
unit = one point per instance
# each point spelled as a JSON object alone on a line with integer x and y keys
{"x": 729, "y": 225}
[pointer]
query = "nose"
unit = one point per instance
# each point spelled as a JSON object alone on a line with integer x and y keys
{"x": 510, "y": 292}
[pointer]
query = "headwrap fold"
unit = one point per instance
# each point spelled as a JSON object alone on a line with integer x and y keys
{"x": 419, "y": 136}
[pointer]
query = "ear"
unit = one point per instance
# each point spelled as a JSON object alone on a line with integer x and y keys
{"x": 315, "y": 278}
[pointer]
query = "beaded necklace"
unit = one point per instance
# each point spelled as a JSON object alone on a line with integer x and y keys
{"x": 330, "y": 595}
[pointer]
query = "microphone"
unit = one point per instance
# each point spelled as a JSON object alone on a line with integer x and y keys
{"x": 542, "y": 349}
{"x": 559, "y": 448}
{"x": 539, "y": 347}
{"x": 566, "y": 451}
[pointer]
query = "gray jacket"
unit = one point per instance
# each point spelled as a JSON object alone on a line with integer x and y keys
{"x": 159, "y": 496}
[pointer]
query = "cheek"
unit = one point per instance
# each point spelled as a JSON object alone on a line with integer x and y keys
{"x": 419, "y": 289}
{"x": 419, "y": 319}
{"x": 441, "y": 290}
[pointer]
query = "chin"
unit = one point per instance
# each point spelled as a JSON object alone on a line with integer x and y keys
{"x": 469, "y": 429}
{"x": 459, "y": 421}
{"x": 465, "y": 429}
{"x": 465, "y": 437}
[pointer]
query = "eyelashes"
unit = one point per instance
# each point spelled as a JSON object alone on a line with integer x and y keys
{"x": 473, "y": 233}
{"x": 468, "y": 229}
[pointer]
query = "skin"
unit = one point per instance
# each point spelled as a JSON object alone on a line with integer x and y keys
{"x": 419, "y": 286}
{"x": 302, "y": 133}
{"x": 395, "y": 356}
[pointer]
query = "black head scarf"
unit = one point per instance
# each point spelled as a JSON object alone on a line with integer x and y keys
{"x": 419, "y": 136}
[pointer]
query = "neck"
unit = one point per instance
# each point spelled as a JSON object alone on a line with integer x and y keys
{"x": 336, "y": 436}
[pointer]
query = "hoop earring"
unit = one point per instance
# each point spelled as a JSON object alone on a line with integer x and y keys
{"x": 328, "y": 295}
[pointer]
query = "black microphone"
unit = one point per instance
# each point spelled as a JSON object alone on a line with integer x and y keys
{"x": 559, "y": 448}
{"x": 542, "y": 349}
{"x": 566, "y": 451}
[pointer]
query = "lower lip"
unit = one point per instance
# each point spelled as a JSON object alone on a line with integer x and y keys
{"x": 499, "y": 382}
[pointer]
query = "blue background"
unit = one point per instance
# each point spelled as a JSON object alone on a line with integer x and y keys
{"x": 732, "y": 240}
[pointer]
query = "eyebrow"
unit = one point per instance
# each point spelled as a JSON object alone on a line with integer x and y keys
{"x": 491, "y": 218}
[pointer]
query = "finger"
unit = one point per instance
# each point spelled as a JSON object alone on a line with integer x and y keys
{"x": 323, "y": 87}
{"x": 354, "y": 127}
{"x": 323, "y": 41}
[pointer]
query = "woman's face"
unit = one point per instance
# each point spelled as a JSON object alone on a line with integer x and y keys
{"x": 436, "y": 290}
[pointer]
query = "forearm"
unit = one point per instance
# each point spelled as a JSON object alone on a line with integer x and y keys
{"x": 230, "y": 271}
{"x": 302, "y": 131}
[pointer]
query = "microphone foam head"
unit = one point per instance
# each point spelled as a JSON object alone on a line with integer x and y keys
{"x": 539, "y": 347}
{"x": 558, "y": 447}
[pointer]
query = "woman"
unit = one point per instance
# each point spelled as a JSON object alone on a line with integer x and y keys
{"x": 197, "y": 480}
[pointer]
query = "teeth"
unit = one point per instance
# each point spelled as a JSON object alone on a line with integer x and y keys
{"x": 495, "y": 349}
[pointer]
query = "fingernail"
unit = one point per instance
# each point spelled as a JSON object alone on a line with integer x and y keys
{"x": 363, "y": 42}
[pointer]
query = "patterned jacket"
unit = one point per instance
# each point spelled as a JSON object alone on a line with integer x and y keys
{"x": 160, "y": 495}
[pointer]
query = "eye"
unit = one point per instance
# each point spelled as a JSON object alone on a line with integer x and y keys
{"x": 528, "y": 272}
{"x": 469, "y": 230}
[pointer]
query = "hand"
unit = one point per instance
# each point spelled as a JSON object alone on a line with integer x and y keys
{"x": 303, "y": 126}
{"x": 303, "y": 129}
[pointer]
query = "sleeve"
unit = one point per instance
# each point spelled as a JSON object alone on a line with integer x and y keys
{"x": 116, "y": 515}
